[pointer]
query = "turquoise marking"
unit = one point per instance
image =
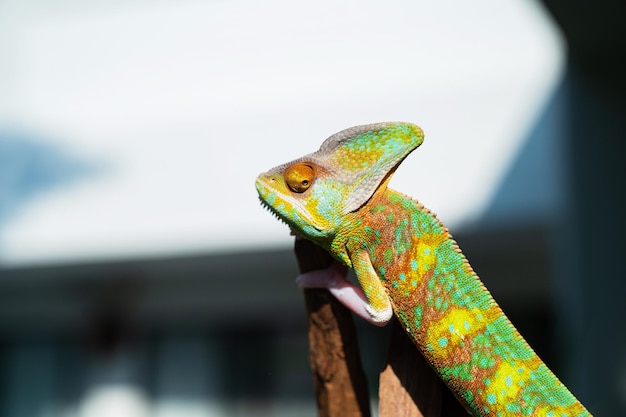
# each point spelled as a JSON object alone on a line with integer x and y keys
{"x": 388, "y": 255}
{"x": 419, "y": 311}
{"x": 413, "y": 264}
{"x": 328, "y": 197}
{"x": 491, "y": 398}
{"x": 469, "y": 396}
{"x": 461, "y": 371}
{"x": 431, "y": 284}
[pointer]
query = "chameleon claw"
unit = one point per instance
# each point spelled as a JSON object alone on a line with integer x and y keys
{"x": 350, "y": 295}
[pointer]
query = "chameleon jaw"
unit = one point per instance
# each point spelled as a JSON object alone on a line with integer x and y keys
{"x": 287, "y": 210}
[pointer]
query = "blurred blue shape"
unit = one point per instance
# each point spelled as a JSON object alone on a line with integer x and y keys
{"x": 30, "y": 167}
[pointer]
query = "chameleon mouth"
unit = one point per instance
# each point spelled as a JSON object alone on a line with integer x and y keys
{"x": 283, "y": 208}
{"x": 262, "y": 189}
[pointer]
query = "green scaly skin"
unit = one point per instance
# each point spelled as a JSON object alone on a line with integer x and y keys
{"x": 407, "y": 262}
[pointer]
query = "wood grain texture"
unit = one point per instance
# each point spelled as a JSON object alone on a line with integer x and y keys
{"x": 338, "y": 379}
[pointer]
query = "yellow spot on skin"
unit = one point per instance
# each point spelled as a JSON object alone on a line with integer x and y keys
{"x": 425, "y": 255}
{"x": 505, "y": 384}
{"x": 454, "y": 327}
{"x": 424, "y": 252}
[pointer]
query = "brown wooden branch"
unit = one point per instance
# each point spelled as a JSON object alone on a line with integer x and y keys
{"x": 408, "y": 387}
{"x": 338, "y": 378}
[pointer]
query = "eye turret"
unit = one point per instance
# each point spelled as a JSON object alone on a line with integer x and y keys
{"x": 299, "y": 177}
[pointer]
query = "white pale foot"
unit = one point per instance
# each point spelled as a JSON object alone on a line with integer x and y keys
{"x": 352, "y": 296}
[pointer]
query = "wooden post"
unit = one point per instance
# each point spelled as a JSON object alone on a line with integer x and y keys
{"x": 408, "y": 386}
{"x": 338, "y": 378}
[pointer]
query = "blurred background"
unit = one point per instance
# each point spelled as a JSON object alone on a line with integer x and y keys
{"x": 139, "y": 276}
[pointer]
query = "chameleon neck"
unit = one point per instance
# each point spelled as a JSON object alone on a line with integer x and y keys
{"x": 451, "y": 316}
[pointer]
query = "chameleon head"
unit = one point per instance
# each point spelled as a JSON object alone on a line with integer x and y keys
{"x": 288, "y": 192}
{"x": 315, "y": 193}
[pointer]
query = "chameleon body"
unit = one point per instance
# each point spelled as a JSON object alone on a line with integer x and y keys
{"x": 406, "y": 262}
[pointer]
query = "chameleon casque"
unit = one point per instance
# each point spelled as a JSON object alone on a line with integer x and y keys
{"x": 407, "y": 263}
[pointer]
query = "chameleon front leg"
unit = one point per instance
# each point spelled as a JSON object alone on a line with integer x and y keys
{"x": 369, "y": 301}
{"x": 334, "y": 280}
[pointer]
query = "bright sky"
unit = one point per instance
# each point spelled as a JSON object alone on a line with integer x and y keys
{"x": 174, "y": 107}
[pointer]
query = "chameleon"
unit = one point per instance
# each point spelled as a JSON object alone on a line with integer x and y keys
{"x": 407, "y": 264}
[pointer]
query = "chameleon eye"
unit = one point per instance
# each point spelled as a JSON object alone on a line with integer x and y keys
{"x": 299, "y": 177}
